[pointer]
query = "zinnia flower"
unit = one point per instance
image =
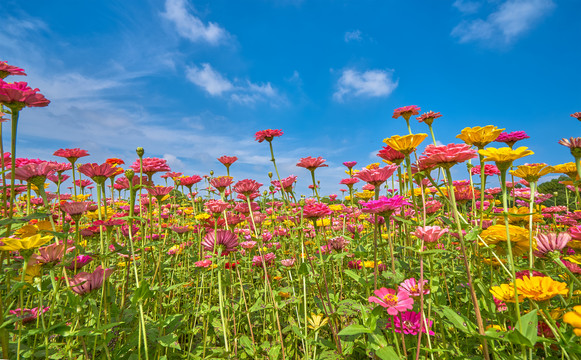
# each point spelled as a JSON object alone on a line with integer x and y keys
{"x": 446, "y": 156}
{"x": 577, "y": 115}
{"x": 413, "y": 288}
{"x": 392, "y": 301}
{"x": 30, "y": 242}
{"x": 71, "y": 154}
{"x": 311, "y": 163}
{"x": 390, "y": 155}
{"x": 267, "y": 135}
{"x": 405, "y": 144}
{"x": 316, "y": 210}
{"x": 6, "y": 70}
{"x": 150, "y": 166}
{"x": 479, "y": 136}
{"x": 573, "y": 318}
{"x": 221, "y": 182}
{"x": 227, "y": 160}
{"x": 225, "y": 240}
{"x": 512, "y": 137}
{"x": 28, "y": 315}
{"x": 350, "y": 164}
{"x": 428, "y": 117}
{"x": 574, "y": 144}
{"x": 429, "y": 234}
{"x": 540, "y": 288}
{"x": 489, "y": 170}
{"x": 504, "y": 156}
{"x": 505, "y": 293}
{"x": 84, "y": 282}
{"x": 18, "y": 95}
{"x": 99, "y": 173}
{"x": 384, "y": 205}
{"x": 547, "y": 243}
{"x": 247, "y": 186}
{"x": 409, "y": 322}
{"x": 406, "y": 111}
{"x": 377, "y": 176}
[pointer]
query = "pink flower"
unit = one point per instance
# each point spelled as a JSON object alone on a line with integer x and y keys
{"x": 189, "y": 181}
{"x": 377, "y": 176}
{"x": 489, "y": 170}
{"x": 221, "y": 182}
{"x": 84, "y": 283}
{"x": 287, "y": 183}
{"x": 412, "y": 287}
{"x": 512, "y": 137}
{"x": 18, "y": 95}
{"x": 216, "y": 206}
{"x": 33, "y": 172}
{"x": 99, "y": 173}
{"x": 577, "y": 115}
{"x": 227, "y": 160}
{"x": 247, "y": 186}
{"x": 547, "y": 243}
{"x": 288, "y": 262}
{"x": 429, "y": 117}
{"x": 446, "y": 156}
{"x": 349, "y": 182}
{"x": 151, "y": 166}
{"x": 248, "y": 244}
{"x": 267, "y": 135}
{"x": 392, "y": 301}
{"x": 71, "y": 154}
{"x": 50, "y": 254}
{"x": 312, "y": 163}
{"x": 350, "y": 164}
{"x": 79, "y": 262}
{"x": 384, "y": 205}
{"x": 429, "y": 234}
{"x": 406, "y": 111}
{"x": 6, "y": 70}
{"x": 267, "y": 258}
{"x": 159, "y": 192}
{"x": 28, "y": 315}
{"x": 203, "y": 263}
{"x": 391, "y": 155}
{"x": 316, "y": 210}
{"x": 226, "y": 240}
{"x": 409, "y": 322}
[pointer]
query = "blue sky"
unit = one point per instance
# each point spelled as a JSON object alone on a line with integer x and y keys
{"x": 193, "y": 80}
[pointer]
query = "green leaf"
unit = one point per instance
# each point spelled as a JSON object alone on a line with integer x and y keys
{"x": 169, "y": 340}
{"x": 141, "y": 293}
{"x": 529, "y": 323}
{"x": 355, "y": 329}
{"x": 386, "y": 353}
{"x": 247, "y": 344}
{"x": 460, "y": 322}
{"x": 303, "y": 269}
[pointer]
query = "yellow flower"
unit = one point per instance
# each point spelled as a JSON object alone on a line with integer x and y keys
{"x": 323, "y": 222}
{"x": 532, "y": 172}
{"x": 479, "y": 136}
{"x": 35, "y": 188}
{"x": 504, "y": 292}
{"x": 30, "y": 242}
{"x": 365, "y": 195}
{"x": 372, "y": 166}
{"x": 32, "y": 272}
{"x": 573, "y": 318}
{"x": 370, "y": 264}
{"x": 202, "y": 216}
{"x": 496, "y": 233}
{"x": 504, "y": 156}
{"x": 540, "y": 288}
{"x": 568, "y": 169}
{"x": 515, "y": 216}
{"x": 317, "y": 321}
{"x": 80, "y": 197}
{"x": 336, "y": 207}
{"x": 284, "y": 295}
{"x": 405, "y": 144}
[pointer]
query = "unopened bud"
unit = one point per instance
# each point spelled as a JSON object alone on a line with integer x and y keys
{"x": 140, "y": 151}
{"x": 129, "y": 174}
{"x": 270, "y": 174}
{"x": 211, "y": 172}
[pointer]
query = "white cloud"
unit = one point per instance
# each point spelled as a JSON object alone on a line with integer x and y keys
{"x": 467, "y": 6}
{"x": 512, "y": 19}
{"x": 245, "y": 93}
{"x": 354, "y": 35}
{"x": 190, "y": 26}
{"x": 208, "y": 79}
{"x": 371, "y": 83}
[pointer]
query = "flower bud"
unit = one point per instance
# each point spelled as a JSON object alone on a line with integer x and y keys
{"x": 140, "y": 151}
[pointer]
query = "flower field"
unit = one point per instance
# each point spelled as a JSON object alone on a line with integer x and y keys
{"x": 135, "y": 261}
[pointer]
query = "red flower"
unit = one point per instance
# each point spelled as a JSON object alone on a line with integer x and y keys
{"x": 312, "y": 163}
{"x": 406, "y": 111}
{"x": 227, "y": 160}
{"x": 267, "y": 135}
{"x": 115, "y": 161}
{"x": 19, "y": 95}
{"x": 71, "y": 154}
{"x": 6, "y": 70}
{"x": 429, "y": 117}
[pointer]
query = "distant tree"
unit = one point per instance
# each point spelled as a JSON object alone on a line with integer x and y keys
{"x": 558, "y": 191}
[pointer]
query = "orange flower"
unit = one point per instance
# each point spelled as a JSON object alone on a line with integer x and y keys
{"x": 540, "y": 288}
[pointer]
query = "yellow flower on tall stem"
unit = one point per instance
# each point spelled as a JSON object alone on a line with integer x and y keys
{"x": 540, "y": 288}
{"x": 504, "y": 292}
{"x": 532, "y": 172}
{"x": 569, "y": 169}
{"x": 503, "y": 157}
{"x": 573, "y": 318}
{"x": 479, "y": 136}
{"x": 405, "y": 144}
{"x": 27, "y": 243}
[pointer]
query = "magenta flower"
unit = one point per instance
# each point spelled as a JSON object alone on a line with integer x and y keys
{"x": 350, "y": 164}
{"x": 384, "y": 205}
{"x": 409, "y": 322}
{"x": 429, "y": 234}
{"x": 79, "y": 262}
{"x": 406, "y": 111}
{"x": 28, "y": 315}
{"x": 84, "y": 282}
{"x": 577, "y": 115}
{"x": 489, "y": 170}
{"x": 446, "y": 156}
{"x": 316, "y": 210}
{"x": 413, "y": 288}
{"x": 6, "y": 70}
{"x": 267, "y": 258}
{"x": 224, "y": 240}
{"x": 267, "y": 135}
{"x": 547, "y": 243}
{"x": 377, "y": 176}
{"x": 392, "y": 301}
{"x": 18, "y": 95}
{"x": 512, "y": 137}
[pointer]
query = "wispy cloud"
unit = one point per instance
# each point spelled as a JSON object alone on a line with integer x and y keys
{"x": 354, "y": 35}
{"x": 467, "y": 6}
{"x": 243, "y": 92}
{"x": 371, "y": 83}
{"x": 503, "y": 26}
{"x": 189, "y": 26}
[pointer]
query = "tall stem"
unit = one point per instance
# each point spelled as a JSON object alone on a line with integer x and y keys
{"x": 15, "y": 114}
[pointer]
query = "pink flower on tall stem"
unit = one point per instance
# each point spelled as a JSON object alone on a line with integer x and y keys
{"x": 34, "y": 172}
{"x": 159, "y": 192}
{"x": 410, "y": 322}
{"x": 227, "y": 160}
{"x": 84, "y": 282}
{"x": 71, "y": 155}
{"x": 267, "y": 135}
{"x": 28, "y": 315}
{"x": 349, "y": 182}
{"x": 489, "y": 170}
{"x": 316, "y": 210}
{"x": 406, "y": 111}
{"x": 189, "y": 181}
{"x": 429, "y": 234}
{"x": 247, "y": 186}
{"x": 510, "y": 138}
{"x": 220, "y": 240}
{"x": 6, "y": 70}
{"x": 287, "y": 183}
{"x": 216, "y": 206}
{"x": 377, "y": 176}
{"x": 151, "y": 166}
{"x": 393, "y": 301}
{"x": 446, "y": 156}
{"x": 550, "y": 242}
{"x": 385, "y": 206}
{"x": 18, "y": 95}
{"x": 350, "y": 164}
{"x": 428, "y": 118}
{"x": 413, "y": 288}
{"x": 577, "y": 115}
{"x": 221, "y": 182}
{"x": 311, "y": 163}
{"x": 390, "y": 155}
{"x": 99, "y": 173}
